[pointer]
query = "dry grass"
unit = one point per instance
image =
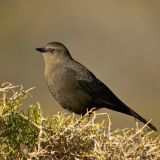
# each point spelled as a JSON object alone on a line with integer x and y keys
{"x": 66, "y": 137}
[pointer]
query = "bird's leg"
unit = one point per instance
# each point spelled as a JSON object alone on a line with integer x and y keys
{"x": 136, "y": 120}
{"x": 85, "y": 117}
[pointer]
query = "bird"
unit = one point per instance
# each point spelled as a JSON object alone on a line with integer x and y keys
{"x": 76, "y": 88}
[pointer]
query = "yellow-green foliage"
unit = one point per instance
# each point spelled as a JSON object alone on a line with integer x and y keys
{"x": 65, "y": 137}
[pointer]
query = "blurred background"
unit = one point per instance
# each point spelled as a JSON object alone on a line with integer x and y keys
{"x": 119, "y": 41}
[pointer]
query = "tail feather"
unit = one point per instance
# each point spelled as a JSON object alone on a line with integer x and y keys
{"x": 125, "y": 109}
{"x": 121, "y": 107}
{"x": 134, "y": 114}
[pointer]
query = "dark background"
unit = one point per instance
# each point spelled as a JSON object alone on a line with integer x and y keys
{"x": 118, "y": 40}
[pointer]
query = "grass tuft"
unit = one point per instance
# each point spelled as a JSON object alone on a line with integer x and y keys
{"x": 29, "y": 135}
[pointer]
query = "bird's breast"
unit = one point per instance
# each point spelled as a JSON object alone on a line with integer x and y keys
{"x": 67, "y": 91}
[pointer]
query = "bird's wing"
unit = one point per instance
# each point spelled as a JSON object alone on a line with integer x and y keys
{"x": 100, "y": 92}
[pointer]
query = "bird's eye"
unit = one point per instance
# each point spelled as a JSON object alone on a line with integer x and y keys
{"x": 52, "y": 50}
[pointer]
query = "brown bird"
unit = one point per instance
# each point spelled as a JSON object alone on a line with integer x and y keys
{"x": 75, "y": 87}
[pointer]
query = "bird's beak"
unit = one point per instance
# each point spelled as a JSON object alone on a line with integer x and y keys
{"x": 42, "y": 50}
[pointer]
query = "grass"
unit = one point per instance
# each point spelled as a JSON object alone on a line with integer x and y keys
{"x": 30, "y": 136}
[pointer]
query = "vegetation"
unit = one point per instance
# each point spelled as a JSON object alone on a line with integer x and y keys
{"x": 30, "y": 136}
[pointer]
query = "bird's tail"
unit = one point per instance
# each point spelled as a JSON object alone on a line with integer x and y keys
{"x": 136, "y": 115}
{"x": 121, "y": 107}
{"x": 125, "y": 109}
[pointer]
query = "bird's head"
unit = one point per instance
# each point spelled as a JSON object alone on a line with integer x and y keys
{"x": 54, "y": 52}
